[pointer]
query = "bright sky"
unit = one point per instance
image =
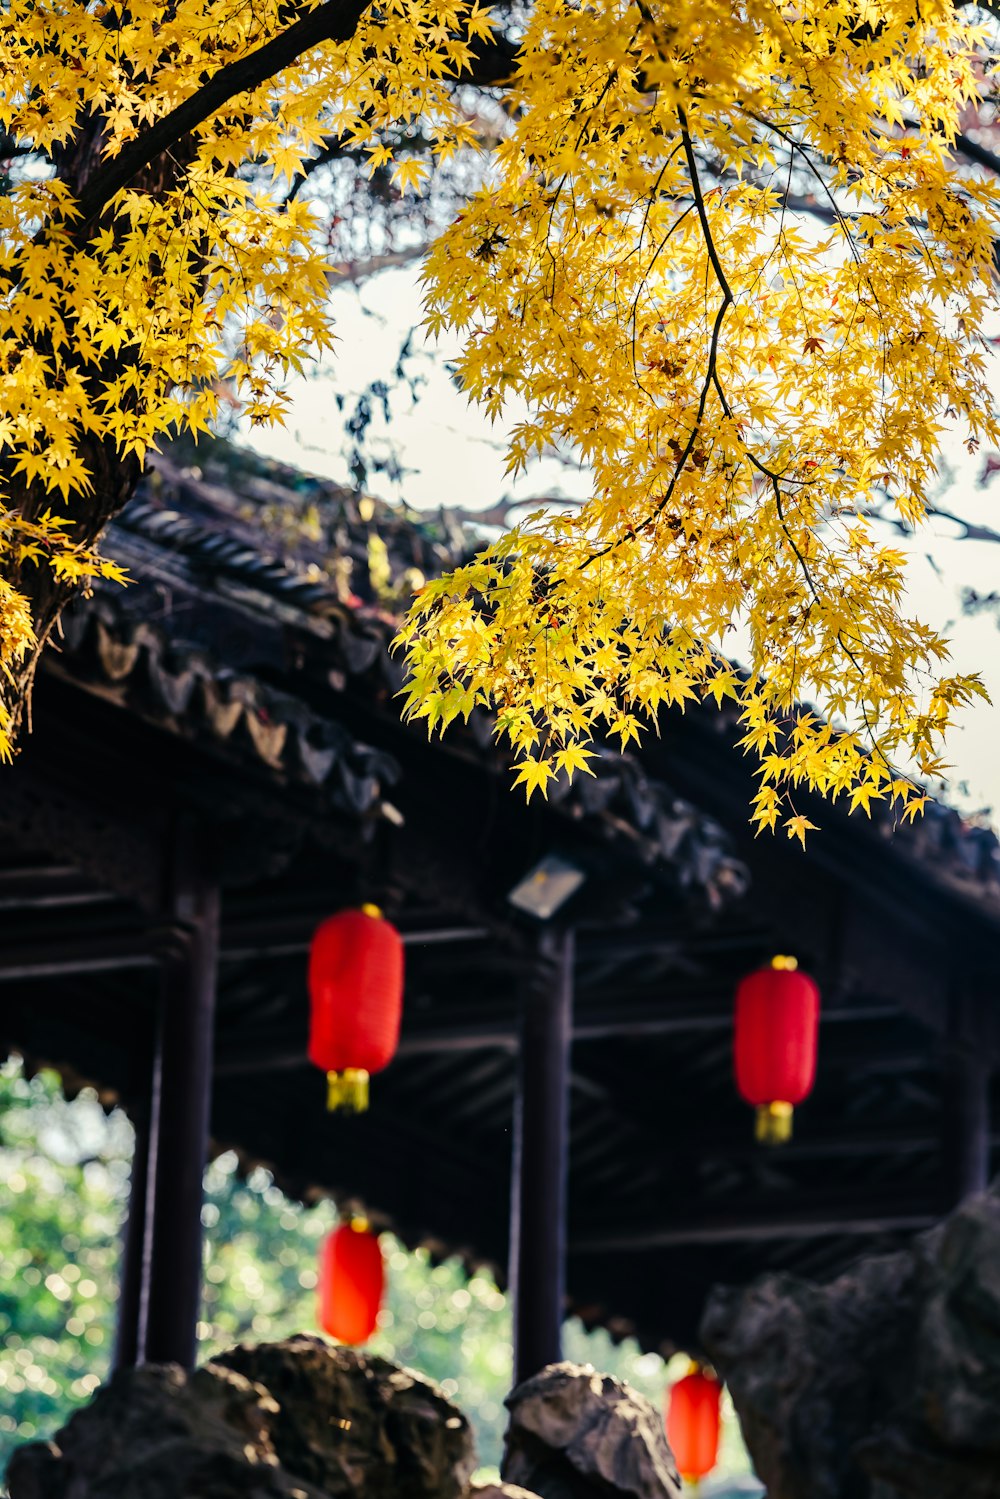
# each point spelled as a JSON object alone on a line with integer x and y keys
{"x": 455, "y": 458}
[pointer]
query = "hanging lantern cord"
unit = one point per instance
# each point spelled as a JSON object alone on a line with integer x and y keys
{"x": 774, "y": 1123}
{"x": 347, "y": 1090}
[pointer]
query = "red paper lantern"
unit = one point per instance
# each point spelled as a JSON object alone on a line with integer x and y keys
{"x": 356, "y": 996}
{"x": 693, "y": 1423}
{"x": 351, "y": 1282}
{"x": 776, "y": 1035}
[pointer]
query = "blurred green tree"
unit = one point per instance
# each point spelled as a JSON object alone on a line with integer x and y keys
{"x": 64, "y": 1169}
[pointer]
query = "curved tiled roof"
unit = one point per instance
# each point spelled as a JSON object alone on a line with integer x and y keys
{"x": 182, "y": 686}
{"x": 225, "y": 524}
{"x": 201, "y": 557}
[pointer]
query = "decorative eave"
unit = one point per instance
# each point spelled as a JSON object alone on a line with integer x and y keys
{"x": 229, "y": 645}
{"x": 186, "y": 690}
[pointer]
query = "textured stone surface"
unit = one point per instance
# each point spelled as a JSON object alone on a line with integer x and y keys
{"x": 884, "y": 1384}
{"x": 575, "y": 1434}
{"x": 402, "y": 1438}
{"x": 292, "y": 1420}
{"x": 498, "y": 1491}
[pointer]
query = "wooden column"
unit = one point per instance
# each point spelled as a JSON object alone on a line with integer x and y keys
{"x": 967, "y": 1122}
{"x": 131, "y": 1295}
{"x": 182, "y": 1085}
{"x": 540, "y": 1159}
{"x": 967, "y": 1125}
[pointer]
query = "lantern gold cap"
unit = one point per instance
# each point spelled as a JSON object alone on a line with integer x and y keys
{"x": 774, "y": 1123}
{"x": 784, "y": 963}
{"x": 370, "y": 909}
{"x": 347, "y": 1091}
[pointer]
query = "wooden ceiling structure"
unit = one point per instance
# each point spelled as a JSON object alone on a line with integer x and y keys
{"x": 217, "y": 759}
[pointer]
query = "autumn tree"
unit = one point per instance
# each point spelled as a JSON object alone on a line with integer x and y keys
{"x": 743, "y": 385}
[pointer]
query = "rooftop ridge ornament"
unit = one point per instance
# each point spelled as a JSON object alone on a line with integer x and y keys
{"x": 356, "y": 1000}
{"x": 775, "y": 1039}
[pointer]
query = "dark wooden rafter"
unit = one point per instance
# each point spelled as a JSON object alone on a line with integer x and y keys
{"x": 748, "y": 1223}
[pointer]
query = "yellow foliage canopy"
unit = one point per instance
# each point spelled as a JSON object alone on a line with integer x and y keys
{"x": 741, "y": 384}
{"x": 742, "y": 387}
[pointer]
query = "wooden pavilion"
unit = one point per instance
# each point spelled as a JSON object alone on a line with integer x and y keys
{"x": 216, "y": 763}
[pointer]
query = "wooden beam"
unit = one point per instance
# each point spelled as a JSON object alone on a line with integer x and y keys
{"x": 244, "y": 941}
{"x": 754, "y": 1226}
{"x": 814, "y": 1142}
{"x": 182, "y": 1085}
{"x": 115, "y": 951}
{"x": 472, "y": 1032}
{"x": 91, "y": 954}
{"x": 540, "y": 1160}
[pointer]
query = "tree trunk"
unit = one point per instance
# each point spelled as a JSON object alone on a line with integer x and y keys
{"x": 113, "y": 475}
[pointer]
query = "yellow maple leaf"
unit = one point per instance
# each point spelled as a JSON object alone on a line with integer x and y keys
{"x": 535, "y": 775}
{"x": 797, "y": 827}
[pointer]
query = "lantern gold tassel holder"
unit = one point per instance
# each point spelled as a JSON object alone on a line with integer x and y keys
{"x": 347, "y": 1090}
{"x": 773, "y": 1123}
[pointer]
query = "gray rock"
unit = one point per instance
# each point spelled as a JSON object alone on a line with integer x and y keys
{"x": 295, "y": 1420}
{"x": 576, "y": 1434}
{"x": 884, "y": 1384}
{"x": 156, "y": 1433}
{"x": 497, "y": 1491}
{"x": 352, "y": 1422}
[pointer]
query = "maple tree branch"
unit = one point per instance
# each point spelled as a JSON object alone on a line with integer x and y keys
{"x": 337, "y": 148}
{"x": 353, "y": 271}
{"x": 699, "y": 200}
{"x": 333, "y": 149}
{"x": 780, "y": 508}
{"x": 969, "y": 530}
{"x": 976, "y": 153}
{"x": 711, "y": 379}
{"x": 334, "y": 21}
{"x": 10, "y": 147}
{"x": 964, "y": 146}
